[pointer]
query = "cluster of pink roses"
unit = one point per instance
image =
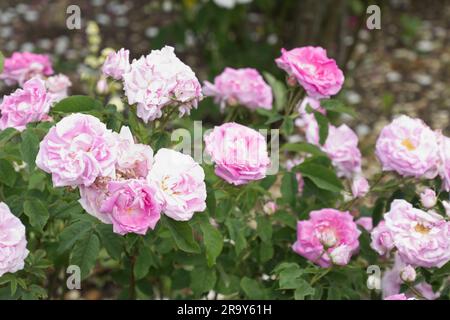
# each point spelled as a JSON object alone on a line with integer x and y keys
{"x": 154, "y": 82}
{"x": 33, "y": 101}
{"x": 13, "y": 244}
{"x": 240, "y": 86}
{"x": 120, "y": 182}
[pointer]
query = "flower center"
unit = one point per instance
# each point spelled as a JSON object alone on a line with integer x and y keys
{"x": 420, "y": 228}
{"x": 408, "y": 145}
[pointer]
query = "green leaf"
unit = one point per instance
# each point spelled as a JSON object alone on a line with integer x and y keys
{"x": 303, "y": 289}
{"x": 321, "y": 176}
{"x": 143, "y": 262}
{"x": 203, "y": 280}
{"x": 36, "y": 212}
{"x": 7, "y": 134}
{"x": 7, "y": 173}
{"x": 77, "y": 104}
{"x": 85, "y": 253}
{"x": 72, "y": 234}
{"x": 265, "y": 252}
{"x": 213, "y": 242}
{"x": 337, "y": 106}
{"x": 210, "y": 199}
{"x": 278, "y": 89}
{"x": 286, "y": 218}
{"x": 264, "y": 228}
{"x": 253, "y": 289}
{"x": 378, "y": 210}
{"x": 303, "y": 147}
{"x": 183, "y": 235}
{"x": 236, "y": 230}
{"x": 323, "y": 124}
{"x": 287, "y": 127}
{"x": 112, "y": 242}
{"x": 29, "y": 148}
{"x": 289, "y": 188}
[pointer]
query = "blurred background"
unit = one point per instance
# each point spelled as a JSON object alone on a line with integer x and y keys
{"x": 402, "y": 68}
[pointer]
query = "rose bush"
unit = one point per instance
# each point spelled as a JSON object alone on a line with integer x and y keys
{"x": 108, "y": 184}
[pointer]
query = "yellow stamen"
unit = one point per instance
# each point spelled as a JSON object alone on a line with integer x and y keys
{"x": 422, "y": 229}
{"x": 408, "y": 144}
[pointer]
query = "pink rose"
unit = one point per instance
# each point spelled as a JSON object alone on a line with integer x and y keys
{"x": 409, "y": 147}
{"x": 400, "y": 296}
{"x": 270, "y": 207}
{"x": 326, "y": 231}
{"x": 428, "y": 198}
{"x": 13, "y": 244}
{"x": 365, "y": 222}
{"x": 132, "y": 206}
{"x": 180, "y": 182}
{"x": 314, "y": 71}
{"x": 92, "y": 198}
{"x": 134, "y": 160}
{"x": 240, "y": 86}
{"x": 308, "y": 124}
{"x": 23, "y": 66}
{"x": 341, "y": 146}
{"x": 360, "y": 186}
{"x": 117, "y": 64}
{"x": 30, "y": 104}
{"x": 58, "y": 86}
{"x": 77, "y": 150}
{"x": 239, "y": 153}
{"x": 159, "y": 80}
{"x": 408, "y": 274}
{"x": 382, "y": 241}
{"x": 421, "y": 238}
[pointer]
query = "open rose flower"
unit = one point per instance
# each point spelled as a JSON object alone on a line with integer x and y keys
{"x": 13, "y": 244}
{"x": 117, "y": 64}
{"x": 159, "y": 80}
{"x": 239, "y": 153}
{"x": 92, "y": 198}
{"x": 444, "y": 156}
{"x": 58, "y": 86}
{"x": 30, "y": 104}
{"x": 421, "y": 238}
{"x": 134, "y": 160}
{"x": 313, "y": 70}
{"x": 329, "y": 236}
{"x": 409, "y": 147}
{"x": 77, "y": 150}
{"x": 240, "y": 86}
{"x": 132, "y": 206}
{"x": 181, "y": 184}
{"x": 22, "y": 66}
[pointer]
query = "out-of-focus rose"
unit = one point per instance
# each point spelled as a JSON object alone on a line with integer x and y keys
{"x": 77, "y": 150}
{"x": 30, "y": 104}
{"x": 342, "y": 148}
{"x": 230, "y": 4}
{"x": 446, "y": 205}
{"x": 58, "y": 86}
{"x": 323, "y": 233}
{"x": 312, "y": 103}
{"x": 132, "y": 206}
{"x": 314, "y": 71}
{"x": 239, "y": 153}
{"x": 242, "y": 86}
{"x": 13, "y": 244}
{"x": 408, "y": 274}
{"x": 400, "y": 296}
{"x": 428, "y": 198}
{"x": 360, "y": 186}
{"x": 270, "y": 207}
{"x": 117, "y": 64}
{"x": 444, "y": 165}
{"x": 180, "y": 182}
{"x": 365, "y": 222}
{"x": 159, "y": 80}
{"x": 382, "y": 241}
{"x": 409, "y": 147}
{"x": 22, "y": 66}
{"x": 421, "y": 238}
